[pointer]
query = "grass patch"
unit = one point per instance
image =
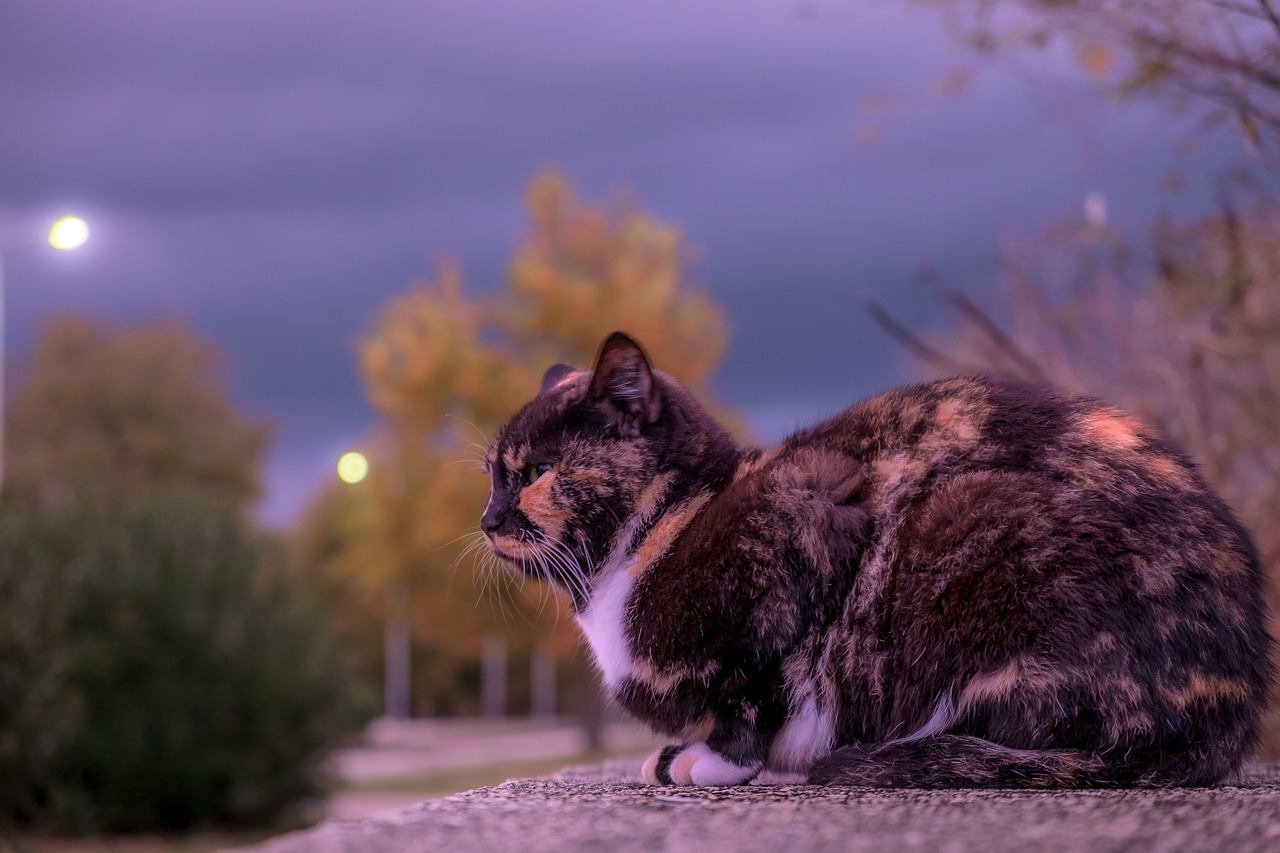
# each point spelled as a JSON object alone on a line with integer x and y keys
{"x": 455, "y": 779}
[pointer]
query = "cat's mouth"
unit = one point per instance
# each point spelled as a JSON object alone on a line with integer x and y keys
{"x": 528, "y": 558}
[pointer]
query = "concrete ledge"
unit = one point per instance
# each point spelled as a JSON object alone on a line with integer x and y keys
{"x": 607, "y": 808}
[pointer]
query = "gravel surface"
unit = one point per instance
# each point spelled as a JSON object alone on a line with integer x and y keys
{"x": 607, "y": 808}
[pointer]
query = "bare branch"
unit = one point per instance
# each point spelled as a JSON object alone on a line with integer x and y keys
{"x": 1030, "y": 367}
{"x": 1271, "y": 14}
{"x": 910, "y": 340}
{"x": 1237, "y": 8}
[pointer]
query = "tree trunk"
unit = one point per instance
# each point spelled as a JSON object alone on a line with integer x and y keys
{"x": 542, "y": 684}
{"x": 493, "y": 675}
{"x": 590, "y": 709}
{"x": 396, "y": 654}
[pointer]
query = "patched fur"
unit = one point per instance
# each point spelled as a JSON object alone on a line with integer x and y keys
{"x": 965, "y": 583}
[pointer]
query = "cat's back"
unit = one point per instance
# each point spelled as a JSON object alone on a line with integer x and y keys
{"x": 1024, "y": 482}
{"x": 1041, "y": 535}
{"x": 979, "y": 423}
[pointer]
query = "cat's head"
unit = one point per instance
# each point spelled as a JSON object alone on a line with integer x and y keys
{"x": 584, "y": 465}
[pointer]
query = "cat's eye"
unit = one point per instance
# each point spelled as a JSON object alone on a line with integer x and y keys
{"x": 534, "y": 470}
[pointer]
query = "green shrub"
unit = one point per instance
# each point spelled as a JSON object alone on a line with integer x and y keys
{"x": 161, "y": 667}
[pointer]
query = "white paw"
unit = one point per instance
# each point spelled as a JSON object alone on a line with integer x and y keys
{"x": 696, "y": 764}
{"x": 650, "y": 769}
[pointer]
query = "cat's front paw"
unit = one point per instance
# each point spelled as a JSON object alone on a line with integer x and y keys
{"x": 695, "y": 764}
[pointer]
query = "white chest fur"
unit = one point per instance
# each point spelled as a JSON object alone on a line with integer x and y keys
{"x": 605, "y": 625}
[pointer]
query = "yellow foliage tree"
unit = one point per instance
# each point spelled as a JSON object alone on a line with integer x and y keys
{"x": 586, "y": 270}
{"x": 445, "y": 370}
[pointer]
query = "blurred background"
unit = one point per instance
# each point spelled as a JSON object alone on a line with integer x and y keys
{"x": 359, "y": 232}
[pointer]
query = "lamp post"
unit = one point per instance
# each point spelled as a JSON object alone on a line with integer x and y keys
{"x": 67, "y": 233}
{"x": 353, "y": 467}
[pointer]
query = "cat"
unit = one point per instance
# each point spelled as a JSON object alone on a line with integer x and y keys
{"x": 967, "y": 583}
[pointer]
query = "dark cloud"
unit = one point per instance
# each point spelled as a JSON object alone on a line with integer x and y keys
{"x": 275, "y": 170}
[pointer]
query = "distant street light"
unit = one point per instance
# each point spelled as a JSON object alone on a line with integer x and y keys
{"x": 69, "y": 232}
{"x": 352, "y": 467}
{"x": 1095, "y": 210}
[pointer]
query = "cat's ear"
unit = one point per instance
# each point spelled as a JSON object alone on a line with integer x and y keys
{"x": 624, "y": 384}
{"x": 555, "y": 374}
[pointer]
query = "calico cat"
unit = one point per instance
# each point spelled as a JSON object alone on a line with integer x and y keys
{"x": 972, "y": 582}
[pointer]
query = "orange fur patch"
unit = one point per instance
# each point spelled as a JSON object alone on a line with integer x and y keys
{"x": 514, "y": 458}
{"x": 682, "y": 767}
{"x": 537, "y": 503}
{"x": 890, "y": 471}
{"x": 512, "y": 547}
{"x": 1024, "y": 673}
{"x": 754, "y": 465}
{"x": 958, "y": 421}
{"x": 652, "y": 495}
{"x": 700, "y": 730}
{"x": 1111, "y": 430}
{"x": 993, "y": 685}
{"x": 664, "y": 680}
{"x": 1208, "y": 689}
{"x": 1115, "y": 431}
{"x": 659, "y": 540}
{"x": 1167, "y": 470}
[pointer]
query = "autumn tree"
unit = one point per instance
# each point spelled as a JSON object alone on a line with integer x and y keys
{"x": 109, "y": 414}
{"x": 445, "y": 369}
{"x": 129, "y": 568}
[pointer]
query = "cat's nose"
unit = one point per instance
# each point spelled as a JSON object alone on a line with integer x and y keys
{"x": 491, "y": 520}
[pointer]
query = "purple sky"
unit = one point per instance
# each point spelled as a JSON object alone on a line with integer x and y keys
{"x": 274, "y": 171}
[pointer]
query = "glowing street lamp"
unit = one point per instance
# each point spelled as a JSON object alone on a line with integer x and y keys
{"x": 67, "y": 233}
{"x": 352, "y": 467}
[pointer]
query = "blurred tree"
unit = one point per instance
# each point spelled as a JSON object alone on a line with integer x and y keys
{"x": 162, "y": 666}
{"x": 1224, "y": 52}
{"x": 445, "y": 371}
{"x": 586, "y": 269}
{"x": 106, "y": 415}
{"x": 129, "y": 568}
{"x": 1189, "y": 342}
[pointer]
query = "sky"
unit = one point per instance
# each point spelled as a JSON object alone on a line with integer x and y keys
{"x": 273, "y": 172}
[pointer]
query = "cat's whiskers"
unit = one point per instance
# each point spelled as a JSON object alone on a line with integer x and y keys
{"x": 495, "y": 581}
{"x": 571, "y": 575}
{"x": 575, "y": 579}
{"x": 477, "y": 542}
{"x": 476, "y": 536}
{"x": 484, "y": 438}
{"x": 502, "y": 583}
{"x": 578, "y": 583}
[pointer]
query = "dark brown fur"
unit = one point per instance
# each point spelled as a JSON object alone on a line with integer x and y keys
{"x": 969, "y": 582}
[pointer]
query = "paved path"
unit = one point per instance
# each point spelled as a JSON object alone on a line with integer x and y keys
{"x": 405, "y": 748}
{"x": 607, "y": 808}
{"x": 401, "y": 750}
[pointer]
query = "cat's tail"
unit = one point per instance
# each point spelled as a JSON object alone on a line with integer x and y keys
{"x": 958, "y": 761}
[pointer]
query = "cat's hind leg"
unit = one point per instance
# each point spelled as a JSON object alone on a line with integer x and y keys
{"x": 956, "y": 761}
